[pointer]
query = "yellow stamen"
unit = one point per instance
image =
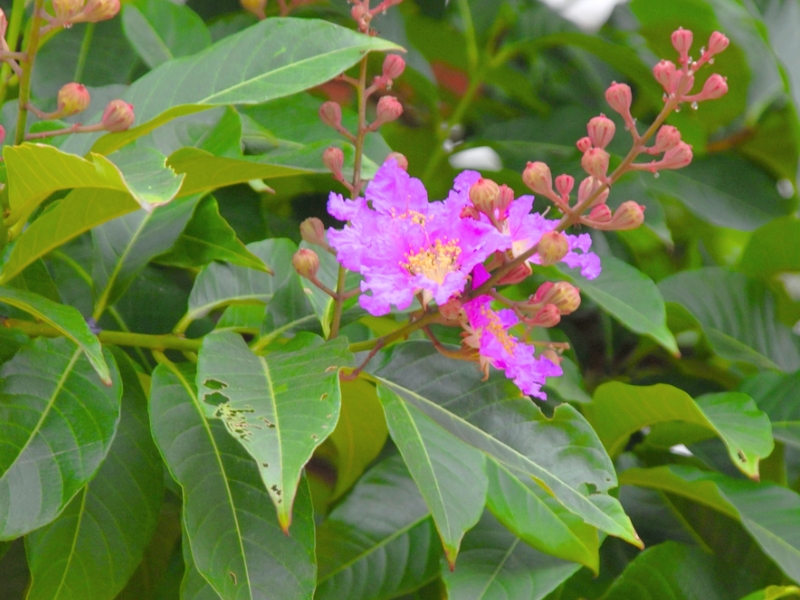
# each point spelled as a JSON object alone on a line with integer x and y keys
{"x": 434, "y": 262}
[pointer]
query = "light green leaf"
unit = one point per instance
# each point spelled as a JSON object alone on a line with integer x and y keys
{"x": 193, "y": 585}
{"x": 629, "y": 296}
{"x": 65, "y": 319}
{"x": 275, "y": 58}
{"x": 160, "y": 30}
{"x": 208, "y": 237}
{"x": 219, "y": 285}
{"x": 774, "y": 592}
{"x": 380, "y": 542}
{"x": 279, "y": 407}
{"x": 737, "y": 315}
{"x": 773, "y": 249}
{"x": 769, "y": 512}
{"x": 619, "y": 410}
{"x": 96, "y": 543}
{"x": 360, "y": 433}
{"x": 288, "y": 310}
{"x": 80, "y": 211}
{"x": 663, "y": 571}
{"x": 494, "y": 563}
{"x": 35, "y": 171}
{"x": 235, "y": 539}
{"x": 124, "y": 246}
{"x": 450, "y": 474}
{"x": 511, "y": 430}
{"x": 57, "y": 422}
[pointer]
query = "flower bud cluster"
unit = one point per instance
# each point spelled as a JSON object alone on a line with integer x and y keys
{"x": 69, "y": 12}
{"x": 362, "y": 13}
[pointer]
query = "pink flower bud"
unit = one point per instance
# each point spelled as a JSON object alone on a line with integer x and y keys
{"x": 666, "y": 74}
{"x": 306, "y": 262}
{"x": 389, "y": 109}
{"x": 3, "y": 27}
{"x": 538, "y": 178}
{"x": 547, "y": 316}
{"x": 565, "y": 296}
{"x": 333, "y": 159}
{"x": 553, "y": 246}
{"x": 682, "y": 42}
{"x": 541, "y": 293}
{"x": 2, "y": 134}
{"x": 584, "y": 144}
{"x": 470, "y": 212}
{"x": 393, "y": 66}
{"x": 451, "y": 310}
{"x": 255, "y": 6}
{"x": 717, "y": 43}
{"x": 330, "y": 113}
{"x": 483, "y": 194}
{"x": 66, "y": 10}
{"x": 667, "y": 138}
{"x": 629, "y": 215}
{"x": 313, "y": 231}
{"x": 601, "y": 131}
{"x": 516, "y": 275}
{"x": 504, "y": 200}
{"x": 600, "y": 214}
{"x": 619, "y": 97}
{"x": 118, "y": 116}
{"x": 588, "y": 187}
{"x": 714, "y": 87}
{"x": 400, "y": 159}
{"x": 677, "y": 157}
{"x": 99, "y": 10}
{"x": 564, "y": 185}
{"x": 72, "y": 99}
{"x": 595, "y": 162}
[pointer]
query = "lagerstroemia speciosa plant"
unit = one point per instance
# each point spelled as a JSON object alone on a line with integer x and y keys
{"x": 224, "y": 375}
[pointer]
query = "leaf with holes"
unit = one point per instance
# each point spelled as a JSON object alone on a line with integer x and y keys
{"x": 235, "y": 539}
{"x": 96, "y": 543}
{"x": 618, "y": 410}
{"x": 279, "y": 407}
{"x": 57, "y": 421}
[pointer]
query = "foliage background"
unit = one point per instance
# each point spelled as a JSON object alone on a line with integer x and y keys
{"x": 684, "y": 363}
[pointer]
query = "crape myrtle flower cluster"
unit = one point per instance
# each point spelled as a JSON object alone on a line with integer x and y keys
{"x": 453, "y": 255}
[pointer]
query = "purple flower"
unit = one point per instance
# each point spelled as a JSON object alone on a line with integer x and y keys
{"x": 488, "y": 331}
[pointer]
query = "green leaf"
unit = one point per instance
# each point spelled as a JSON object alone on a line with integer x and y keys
{"x": 773, "y": 249}
{"x": 769, "y": 512}
{"x": 275, "y": 58}
{"x": 537, "y": 518}
{"x": 35, "y": 171}
{"x": 57, "y": 421}
{"x": 360, "y": 433}
{"x": 235, "y": 539}
{"x": 776, "y": 395}
{"x": 122, "y": 247}
{"x": 208, "y": 237}
{"x": 79, "y": 212}
{"x": 96, "y": 543}
{"x": 629, "y": 296}
{"x": 450, "y": 474}
{"x": 737, "y": 315}
{"x": 160, "y": 30}
{"x": 774, "y": 592}
{"x": 619, "y": 410}
{"x": 193, "y": 585}
{"x": 279, "y": 407}
{"x": 511, "y": 430}
{"x": 63, "y": 318}
{"x": 380, "y": 542}
{"x": 494, "y": 563}
{"x": 288, "y": 310}
{"x": 219, "y": 285}
{"x": 663, "y": 571}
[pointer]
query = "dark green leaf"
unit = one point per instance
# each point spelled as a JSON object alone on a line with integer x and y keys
{"x": 235, "y": 539}
{"x": 380, "y": 542}
{"x": 279, "y": 407}
{"x": 65, "y": 319}
{"x": 96, "y": 543}
{"x": 160, "y": 30}
{"x": 773, "y": 249}
{"x": 208, "y": 237}
{"x": 450, "y": 474}
{"x": 57, "y": 421}
{"x": 194, "y": 586}
{"x": 618, "y": 410}
{"x": 511, "y": 430}
{"x": 494, "y": 563}
{"x": 776, "y": 395}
